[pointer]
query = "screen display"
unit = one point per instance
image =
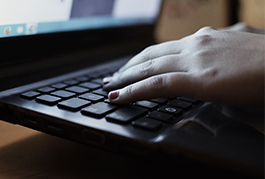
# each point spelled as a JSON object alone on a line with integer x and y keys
{"x": 29, "y": 17}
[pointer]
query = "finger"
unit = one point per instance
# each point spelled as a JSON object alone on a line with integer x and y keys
{"x": 155, "y": 51}
{"x": 165, "y": 85}
{"x": 167, "y": 64}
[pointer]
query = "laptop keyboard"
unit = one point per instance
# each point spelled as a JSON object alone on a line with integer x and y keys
{"x": 85, "y": 94}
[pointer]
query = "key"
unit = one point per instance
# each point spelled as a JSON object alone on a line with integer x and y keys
{"x": 46, "y": 89}
{"x": 126, "y": 114}
{"x": 99, "y": 109}
{"x": 189, "y": 99}
{"x": 71, "y": 82}
{"x": 93, "y": 75}
{"x": 82, "y": 78}
{"x": 59, "y": 85}
{"x": 98, "y": 80}
{"x": 171, "y": 110}
{"x": 77, "y": 89}
{"x": 146, "y": 104}
{"x": 73, "y": 104}
{"x": 92, "y": 97}
{"x": 101, "y": 92}
{"x": 30, "y": 94}
{"x": 159, "y": 100}
{"x": 147, "y": 123}
{"x": 89, "y": 85}
{"x": 180, "y": 104}
{"x": 160, "y": 116}
{"x": 63, "y": 94}
{"x": 48, "y": 99}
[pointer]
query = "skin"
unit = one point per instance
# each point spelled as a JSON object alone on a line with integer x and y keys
{"x": 220, "y": 65}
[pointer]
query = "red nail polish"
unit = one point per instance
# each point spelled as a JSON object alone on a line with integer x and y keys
{"x": 113, "y": 95}
{"x": 107, "y": 80}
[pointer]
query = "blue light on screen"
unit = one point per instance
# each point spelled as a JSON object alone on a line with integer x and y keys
{"x": 71, "y": 25}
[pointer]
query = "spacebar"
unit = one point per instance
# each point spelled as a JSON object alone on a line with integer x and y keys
{"x": 126, "y": 114}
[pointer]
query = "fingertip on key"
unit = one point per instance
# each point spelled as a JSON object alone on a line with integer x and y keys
{"x": 113, "y": 95}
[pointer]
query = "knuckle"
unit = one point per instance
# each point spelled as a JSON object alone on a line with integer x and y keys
{"x": 157, "y": 82}
{"x": 146, "y": 68}
{"x": 118, "y": 78}
{"x": 149, "y": 48}
{"x": 205, "y": 30}
{"x": 146, "y": 52}
{"x": 241, "y": 27}
{"x": 129, "y": 90}
{"x": 203, "y": 40}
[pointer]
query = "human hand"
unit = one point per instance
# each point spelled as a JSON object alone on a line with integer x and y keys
{"x": 242, "y": 27}
{"x": 211, "y": 65}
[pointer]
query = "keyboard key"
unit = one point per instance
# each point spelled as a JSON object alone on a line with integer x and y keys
{"x": 126, "y": 114}
{"x": 59, "y": 85}
{"x": 147, "y": 123}
{"x": 160, "y": 116}
{"x": 46, "y": 89}
{"x": 63, "y": 94}
{"x": 30, "y": 94}
{"x": 93, "y": 75}
{"x": 101, "y": 92}
{"x": 180, "y": 104}
{"x": 73, "y": 104}
{"x": 77, "y": 89}
{"x": 98, "y": 81}
{"x": 99, "y": 109}
{"x": 159, "y": 100}
{"x": 71, "y": 82}
{"x": 89, "y": 85}
{"x": 189, "y": 99}
{"x": 92, "y": 97}
{"x": 48, "y": 99}
{"x": 171, "y": 110}
{"x": 107, "y": 101}
{"x": 82, "y": 78}
{"x": 146, "y": 104}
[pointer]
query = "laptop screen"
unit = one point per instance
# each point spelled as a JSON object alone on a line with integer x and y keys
{"x": 29, "y": 17}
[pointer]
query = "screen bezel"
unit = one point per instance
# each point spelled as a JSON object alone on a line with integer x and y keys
{"x": 15, "y": 49}
{"x": 32, "y": 60}
{"x": 23, "y": 56}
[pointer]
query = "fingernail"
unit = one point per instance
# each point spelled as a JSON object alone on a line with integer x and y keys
{"x": 106, "y": 80}
{"x": 113, "y": 95}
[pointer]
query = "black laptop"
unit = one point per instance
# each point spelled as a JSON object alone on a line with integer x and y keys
{"x": 54, "y": 55}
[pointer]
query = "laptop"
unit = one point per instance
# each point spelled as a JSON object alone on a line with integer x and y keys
{"x": 54, "y": 55}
